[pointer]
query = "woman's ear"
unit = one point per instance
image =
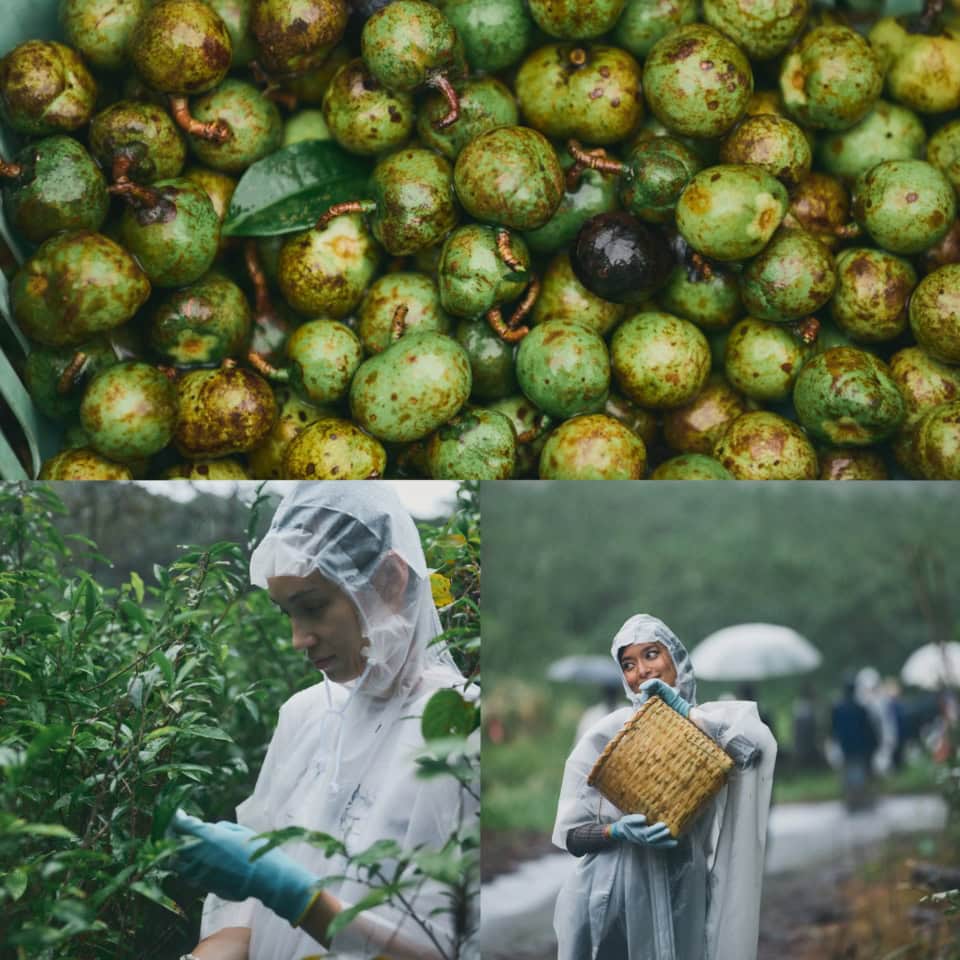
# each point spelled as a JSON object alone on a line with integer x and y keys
{"x": 390, "y": 579}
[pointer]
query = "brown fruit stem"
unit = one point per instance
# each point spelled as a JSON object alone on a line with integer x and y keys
{"x": 847, "y": 231}
{"x": 135, "y": 193}
{"x": 398, "y": 325}
{"x": 272, "y": 89}
{"x": 169, "y": 372}
{"x": 217, "y": 131}
{"x": 806, "y": 330}
{"x": 595, "y": 159}
{"x": 11, "y": 170}
{"x": 528, "y": 436}
{"x": 71, "y": 373}
{"x": 702, "y": 270}
{"x": 506, "y": 253}
{"x": 228, "y": 363}
{"x": 511, "y": 331}
{"x": 578, "y": 56}
{"x": 266, "y": 369}
{"x": 440, "y": 82}
{"x": 263, "y": 305}
{"x": 348, "y": 206}
{"x": 120, "y": 169}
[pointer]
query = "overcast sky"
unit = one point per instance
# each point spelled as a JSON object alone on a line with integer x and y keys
{"x": 425, "y": 499}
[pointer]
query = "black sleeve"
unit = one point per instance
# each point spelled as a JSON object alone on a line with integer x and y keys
{"x": 589, "y": 838}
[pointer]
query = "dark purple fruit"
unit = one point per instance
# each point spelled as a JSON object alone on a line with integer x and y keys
{"x": 621, "y": 259}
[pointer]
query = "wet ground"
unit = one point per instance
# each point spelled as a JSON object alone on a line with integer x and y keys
{"x": 816, "y": 905}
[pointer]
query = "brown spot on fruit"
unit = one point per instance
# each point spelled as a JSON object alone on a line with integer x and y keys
{"x": 712, "y": 104}
{"x": 912, "y": 197}
{"x": 684, "y": 50}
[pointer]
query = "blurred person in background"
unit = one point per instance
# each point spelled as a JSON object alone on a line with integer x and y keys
{"x": 807, "y": 754}
{"x": 854, "y": 732}
{"x": 637, "y": 892}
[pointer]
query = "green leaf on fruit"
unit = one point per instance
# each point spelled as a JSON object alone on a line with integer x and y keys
{"x": 290, "y": 189}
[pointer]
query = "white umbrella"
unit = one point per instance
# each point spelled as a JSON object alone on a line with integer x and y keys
{"x": 752, "y": 651}
{"x": 585, "y": 668}
{"x": 933, "y": 666}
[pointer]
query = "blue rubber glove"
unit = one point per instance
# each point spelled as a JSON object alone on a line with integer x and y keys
{"x": 657, "y": 688}
{"x": 219, "y": 861}
{"x": 633, "y": 828}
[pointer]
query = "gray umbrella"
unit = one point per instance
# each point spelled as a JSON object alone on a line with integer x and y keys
{"x": 585, "y": 668}
{"x": 752, "y": 651}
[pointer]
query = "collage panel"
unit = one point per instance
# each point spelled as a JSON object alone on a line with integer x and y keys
{"x": 239, "y": 722}
{"x": 720, "y": 721}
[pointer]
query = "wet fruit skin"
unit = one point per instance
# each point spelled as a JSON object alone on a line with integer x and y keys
{"x": 416, "y": 293}
{"x": 202, "y": 323}
{"x": 181, "y": 47}
{"x": 905, "y": 205}
{"x": 222, "y": 412}
{"x": 592, "y": 92}
{"x": 593, "y": 447}
{"x": 937, "y": 443}
{"x": 712, "y": 304}
{"x": 643, "y": 23}
{"x": 762, "y": 360}
{"x": 326, "y": 272}
{"x": 691, "y": 466}
{"x": 473, "y": 277}
{"x": 334, "y": 449}
{"x": 77, "y": 284}
{"x": 45, "y": 88}
{"x": 760, "y": 445}
{"x": 407, "y": 41}
{"x": 416, "y": 206}
{"x": 697, "y": 426}
{"x": 100, "y": 29}
{"x": 61, "y": 189}
{"x": 531, "y": 426}
{"x": 659, "y": 361}
{"x": 476, "y": 444}
{"x": 831, "y": 79}
{"x": 762, "y": 29}
{"x": 177, "y": 245}
{"x": 509, "y": 176}
{"x": 943, "y": 151}
{"x": 658, "y": 170}
{"x": 873, "y": 287}
{"x": 847, "y": 397}
{"x": 324, "y": 355}
{"x": 851, "y": 463}
{"x": 144, "y": 135}
{"x": 255, "y": 124}
{"x": 771, "y": 142}
{"x": 129, "y": 411}
{"x": 697, "y": 82}
{"x": 412, "y": 388}
{"x": 563, "y": 368}
{"x": 495, "y": 33}
{"x": 363, "y": 116}
{"x": 730, "y": 211}
{"x": 791, "y": 278}
{"x": 293, "y": 36}
{"x": 620, "y": 258}
{"x": 935, "y": 313}
{"x": 491, "y": 360}
{"x": 923, "y": 381}
{"x": 82, "y": 463}
{"x": 888, "y": 132}
{"x": 485, "y": 103}
{"x": 564, "y": 297}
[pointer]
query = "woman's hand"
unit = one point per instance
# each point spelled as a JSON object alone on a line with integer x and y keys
{"x": 219, "y": 861}
{"x": 633, "y": 828}
{"x": 657, "y": 688}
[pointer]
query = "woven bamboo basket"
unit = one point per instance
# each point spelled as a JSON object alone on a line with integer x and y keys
{"x": 660, "y": 765}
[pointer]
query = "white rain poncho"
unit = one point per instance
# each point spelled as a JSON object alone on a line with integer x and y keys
{"x": 697, "y": 901}
{"x": 341, "y": 760}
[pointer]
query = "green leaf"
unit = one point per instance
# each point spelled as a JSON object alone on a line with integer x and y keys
{"x": 210, "y": 733}
{"x": 137, "y": 583}
{"x": 166, "y": 667}
{"x": 159, "y": 732}
{"x": 45, "y": 830}
{"x": 373, "y": 899}
{"x": 291, "y": 188}
{"x": 16, "y": 883}
{"x": 447, "y": 714}
{"x": 154, "y": 893}
{"x": 378, "y": 852}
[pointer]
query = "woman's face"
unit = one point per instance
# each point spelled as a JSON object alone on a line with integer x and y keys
{"x": 647, "y": 661}
{"x": 324, "y": 624}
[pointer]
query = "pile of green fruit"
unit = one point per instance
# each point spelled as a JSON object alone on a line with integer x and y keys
{"x": 484, "y": 239}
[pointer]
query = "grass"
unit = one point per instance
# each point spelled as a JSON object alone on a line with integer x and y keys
{"x": 810, "y": 787}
